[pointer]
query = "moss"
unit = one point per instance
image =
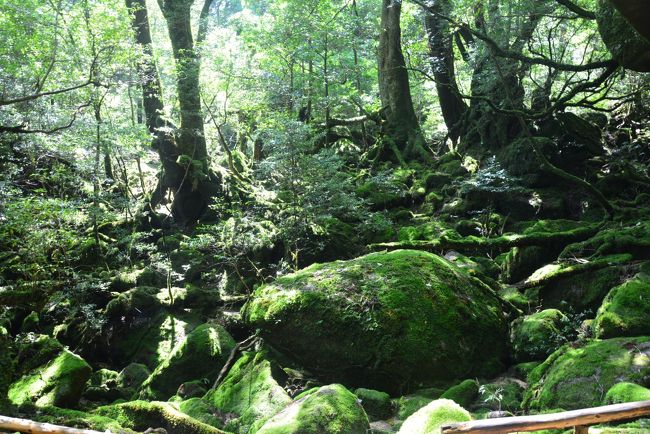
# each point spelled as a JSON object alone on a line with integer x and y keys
{"x": 407, "y": 405}
{"x": 432, "y": 417}
{"x": 626, "y": 392}
{"x": 522, "y": 370}
{"x": 574, "y": 378}
{"x": 331, "y": 409}
{"x": 201, "y": 355}
{"x": 613, "y": 239}
{"x": 35, "y": 350}
{"x": 521, "y": 262}
{"x": 141, "y": 415}
{"x": 60, "y": 383}
{"x": 149, "y": 338}
{"x": 516, "y": 298}
{"x": 30, "y": 323}
{"x": 131, "y": 378}
{"x": 193, "y": 389}
{"x": 103, "y": 386}
{"x": 536, "y": 336}
{"x": 250, "y": 391}
{"x": 625, "y": 311}
{"x": 78, "y": 419}
{"x": 392, "y": 321}
{"x": 376, "y": 404}
{"x": 200, "y": 410}
{"x": 463, "y": 393}
{"x": 426, "y": 231}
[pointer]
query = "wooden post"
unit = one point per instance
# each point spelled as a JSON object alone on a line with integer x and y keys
{"x": 581, "y": 429}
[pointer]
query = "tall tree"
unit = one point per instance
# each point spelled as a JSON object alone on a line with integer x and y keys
{"x": 402, "y": 124}
{"x": 441, "y": 58}
{"x": 182, "y": 151}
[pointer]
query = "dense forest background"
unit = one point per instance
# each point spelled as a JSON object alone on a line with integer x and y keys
{"x": 466, "y": 182}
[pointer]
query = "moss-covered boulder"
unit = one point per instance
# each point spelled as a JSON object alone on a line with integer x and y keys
{"x": 142, "y": 415}
{"x": 626, "y": 392}
{"x": 202, "y": 411}
{"x": 573, "y": 378}
{"x": 59, "y": 383}
{"x": 391, "y": 321}
{"x": 329, "y": 410}
{"x": 131, "y": 378}
{"x": 405, "y": 406}
{"x": 463, "y": 393}
{"x": 103, "y": 386}
{"x": 376, "y": 404}
{"x": 500, "y": 394}
{"x": 536, "y": 336}
{"x": 250, "y": 392}
{"x": 201, "y": 355}
{"x": 431, "y": 418}
{"x": 625, "y": 311}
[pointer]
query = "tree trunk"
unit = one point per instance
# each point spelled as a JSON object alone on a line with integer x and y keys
{"x": 441, "y": 57}
{"x": 401, "y": 122}
{"x": 198, "y": 184}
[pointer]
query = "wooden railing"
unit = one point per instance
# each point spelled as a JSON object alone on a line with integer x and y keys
{"x": 12, "y": 424}
{"x": 578, "y": 419}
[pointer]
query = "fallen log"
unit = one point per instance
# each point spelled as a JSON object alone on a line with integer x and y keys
{"x": 501, "y": 243}
{"x": 12, "y": 424}
{"x": 580, "y": 419}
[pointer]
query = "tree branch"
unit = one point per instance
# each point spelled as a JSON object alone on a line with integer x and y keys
{"x": 576, "y": 9}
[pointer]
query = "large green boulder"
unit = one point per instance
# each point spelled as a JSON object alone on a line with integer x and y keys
{"x": 626, "y": 392}
{"x": 330, "y": 409}
{"x": 625, "y": 311}
{"x": 201, "y": 355}
{"x": 142, "y": 415}
{"x": 536, "y": 336}
{"x": 392, "y": 321}
{"x": 573, "y": 378}
{"x": 463, "y": 393}
{"x": 431, "y": 418}
{"x": 59, "y": 383}
{"x": 6, "y": 365}
{"x": 250, "y": 392}
{"x": 377, "y": 404}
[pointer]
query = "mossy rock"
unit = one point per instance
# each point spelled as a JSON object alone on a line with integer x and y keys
{"x": 141, "y": 415}
{"x": 521, "y": 262}
{"x": 201, "y": 355}
{"x": 193, "y": 389}
{"x": 30, "y": 323}
{"x": 573, "y": 378}
{"x": 149, "y": 338}
{"x": 329, "y": 410}
{"x": 463, "y": 393}
{"x": 536, "y": 336}
{"x": 522, "y": 370}
{"x": 60, "y": 383}
{"x": 431, "y": 418}
{"x": 426, "y": 231}
{"x": 103, "y": 386}
{"x": 134, "y": 302}
{"x": 200, "y": 410}
{"x": 376, "y": 404}
{"x": 34, "y": 351}
{"x": 625, "y": 311}
{"x": 633, "y": 239}
{"x": 250, "y": 391}
{"x": 391, "y": 321}
{"x": 626, "y": 392}
{"x": 579, "y": 292}
{"x": 78, "y": 419}
{"x": 409, "y": 404}
{"x": 625, "y": 44}
{"x": 131, "y": 378}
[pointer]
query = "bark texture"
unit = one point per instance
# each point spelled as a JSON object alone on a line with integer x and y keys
{"x": 401, "y": 122}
